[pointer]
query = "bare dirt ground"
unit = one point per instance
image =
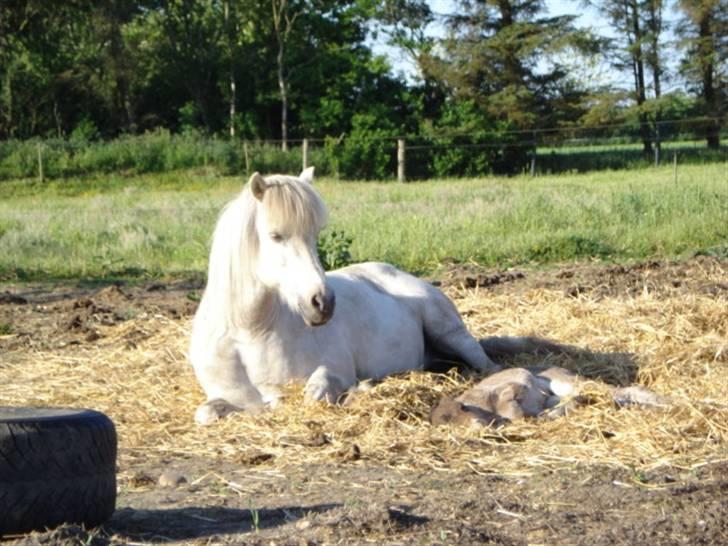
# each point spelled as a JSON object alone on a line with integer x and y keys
{"x": 605, "y": 476}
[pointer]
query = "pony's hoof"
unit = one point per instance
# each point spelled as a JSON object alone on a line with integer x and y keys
{"x": 323, "y": 386}
{"x": 211, "y": 411}
{"x": 319, "y": 393}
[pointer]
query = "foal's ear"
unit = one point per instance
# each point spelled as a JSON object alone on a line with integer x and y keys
{"x": 258, "y": 185}
{"x": 307, "y": 175}
{"x": 511, "y": 391}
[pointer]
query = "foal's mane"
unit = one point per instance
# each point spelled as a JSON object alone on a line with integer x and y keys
{"x": 231, "y": 283}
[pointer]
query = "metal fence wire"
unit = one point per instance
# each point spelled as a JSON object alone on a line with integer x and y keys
{"x": 377, "y": 156}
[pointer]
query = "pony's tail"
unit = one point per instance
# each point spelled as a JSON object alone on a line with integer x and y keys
{"x": 504, "y": 346}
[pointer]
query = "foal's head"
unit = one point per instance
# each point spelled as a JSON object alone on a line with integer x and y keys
{"x": 288, "y": 218}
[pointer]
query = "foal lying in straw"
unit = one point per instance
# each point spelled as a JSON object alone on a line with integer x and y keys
{"x": 516, "y": 393}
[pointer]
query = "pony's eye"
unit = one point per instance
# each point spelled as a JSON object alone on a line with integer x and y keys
{"x": 276, "y": 237}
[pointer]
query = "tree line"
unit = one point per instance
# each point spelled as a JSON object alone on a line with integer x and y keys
{"x": 290, "y": 69}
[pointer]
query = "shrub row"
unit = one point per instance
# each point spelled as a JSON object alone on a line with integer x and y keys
{"x": 368, "y": 154}
{"x": 153, "y": 152}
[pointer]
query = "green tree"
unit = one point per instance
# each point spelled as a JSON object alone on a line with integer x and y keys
{"x": 191, "y": 48}
{"x": 329, "y": 73}
{"x": 284, "y": 15}
{"x": 490, "y": 70}
{"x": 633, "y": 47}
{"x": 492, "y": 56}
{"x": 654, "y": 26}
{"x": 42, "y": 89}
{"x": 404, "y": 23}
{"x": 704, "y": 32}
{"x": 107, "y": 65}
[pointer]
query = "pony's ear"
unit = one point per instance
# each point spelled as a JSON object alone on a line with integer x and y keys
{"x": 307, "y": 175}
{"x": 258, "y": 185}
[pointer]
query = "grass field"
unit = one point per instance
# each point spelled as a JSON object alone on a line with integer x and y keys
{"x": 160, "y": 224}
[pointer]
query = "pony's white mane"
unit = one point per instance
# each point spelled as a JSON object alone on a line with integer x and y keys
{"x": 232, "y": 288}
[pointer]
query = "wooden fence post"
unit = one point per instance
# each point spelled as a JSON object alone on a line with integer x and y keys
{"x": 533, "y": 163}
{"x": 400, "y": 160}
{"x": 674, "y": 166}
{"x": 304, "y": 152}
{"x": 40, "y": 162}
{"x": 246, "y": 156}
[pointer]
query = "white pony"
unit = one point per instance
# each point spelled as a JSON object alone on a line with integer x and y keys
{"x": 267, "y": 314}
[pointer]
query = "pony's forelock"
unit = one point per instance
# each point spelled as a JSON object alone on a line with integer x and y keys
{"x": 295, "y": 205}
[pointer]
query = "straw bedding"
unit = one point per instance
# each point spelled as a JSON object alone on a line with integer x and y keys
{"x": 676, "y": 344}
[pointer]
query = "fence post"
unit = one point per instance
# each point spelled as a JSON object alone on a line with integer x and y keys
{"x": 674, "y": 166}
{"x": 533, "y": 163}
{"x": 305, "y": 153}
{"x": 246, "y": 156}
{"x": 40, "y": 162}
{"x": 400, "y": 160}
{"x": 657, "y": 154}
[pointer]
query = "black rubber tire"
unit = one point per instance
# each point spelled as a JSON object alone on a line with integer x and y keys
{"x": 56, "y": 466}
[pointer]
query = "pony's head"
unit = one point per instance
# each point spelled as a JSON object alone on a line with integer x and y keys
{"x": 288, "y": 216}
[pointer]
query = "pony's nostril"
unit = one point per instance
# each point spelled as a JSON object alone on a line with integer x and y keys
{"x": 322, "y": 305}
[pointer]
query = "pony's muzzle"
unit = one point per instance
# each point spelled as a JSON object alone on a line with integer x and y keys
{"x": 322, "y": 308}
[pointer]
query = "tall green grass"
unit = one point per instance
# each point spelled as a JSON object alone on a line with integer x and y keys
{"x": 154, "y": 225}
{"x": 609, "y": 216}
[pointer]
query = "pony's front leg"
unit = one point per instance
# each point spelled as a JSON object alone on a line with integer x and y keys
{"x": 328, "y": 385}
{"x": 224, "y": 379}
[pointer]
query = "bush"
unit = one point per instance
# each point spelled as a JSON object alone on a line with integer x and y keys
{"x": 478, "y": 145}
{"x": 333, "y": 249}
{"x": 268, "y": 159}
{"x": 85, "y": 131}
{"x": 368, "y": 153}
{"x": 158, "y": 151}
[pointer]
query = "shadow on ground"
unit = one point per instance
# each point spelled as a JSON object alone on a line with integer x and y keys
{"x": 199, "y": 522}
{"x": 614, "y": 368}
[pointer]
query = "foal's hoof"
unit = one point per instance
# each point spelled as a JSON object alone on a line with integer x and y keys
{"x": 639, "y": 396}
{"x": 212, "y": 410}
